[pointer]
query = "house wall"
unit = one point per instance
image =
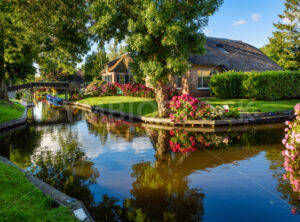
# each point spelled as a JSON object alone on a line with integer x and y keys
{"x": 190, "y": 81}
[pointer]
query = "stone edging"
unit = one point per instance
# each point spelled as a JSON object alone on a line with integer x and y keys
{"x": 246, "y": 119}
{"x": 60, "y": 198}
{"x": 15, "y": 122}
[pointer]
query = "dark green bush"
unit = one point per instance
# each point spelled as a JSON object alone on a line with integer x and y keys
{"x": 269, "y": 85}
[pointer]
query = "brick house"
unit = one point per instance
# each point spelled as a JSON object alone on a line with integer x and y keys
{"x": 221, "y": 55}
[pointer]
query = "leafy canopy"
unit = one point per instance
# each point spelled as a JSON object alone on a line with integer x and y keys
{"x": 284, "y": 45}
{"x": 94, "y": 64}
{"x": 160, "y": 34}
{"x": 52, "y": 33}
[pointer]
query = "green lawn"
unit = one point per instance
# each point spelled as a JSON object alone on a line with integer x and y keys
{"x": 134, "y": 105}
{"x": 252, "y": 106}
{"x": 21, "y": 201}
{"x": 10, "y": 110}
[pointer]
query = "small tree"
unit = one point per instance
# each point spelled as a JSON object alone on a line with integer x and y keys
{"x": 94, "y": 64}
{"x": 284, "y": 46}
{"x": 160, "y": 35}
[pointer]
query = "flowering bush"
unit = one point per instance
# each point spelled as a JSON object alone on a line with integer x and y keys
{"x": 93, "y": 89}
{"x": 76, "y": 97}
{"x": 109, "y": 89}
{"x": 185, "y": 142}
{"x": 186, "y": 107}
{"x": 136, "y": 90}
{"x": 172, "y": 92}
{"x": 291, "y": 153}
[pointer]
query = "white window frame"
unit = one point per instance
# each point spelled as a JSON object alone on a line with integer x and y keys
{"x": 201, "y": 71}
{"x": 177, "y": 87}
{"x": 124, "y": 74}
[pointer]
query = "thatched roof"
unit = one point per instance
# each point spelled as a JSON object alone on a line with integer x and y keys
{"x": 118, "y": 65}
{"x": 234, "y": 55}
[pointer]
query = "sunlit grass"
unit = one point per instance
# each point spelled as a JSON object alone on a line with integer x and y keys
{"x": 133, "y": 105}
{"x": 10, "y": 110}
{"x": 253, "y": 106}
{"x": 21, "y": 201}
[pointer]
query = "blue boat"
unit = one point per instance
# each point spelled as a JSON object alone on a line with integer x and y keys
{"x": 54, "y": 98}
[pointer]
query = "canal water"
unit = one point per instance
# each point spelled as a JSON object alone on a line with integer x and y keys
{"x": 126, "y": 171}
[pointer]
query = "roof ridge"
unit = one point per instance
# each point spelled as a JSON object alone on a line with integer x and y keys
{"x": 223, "y": 39}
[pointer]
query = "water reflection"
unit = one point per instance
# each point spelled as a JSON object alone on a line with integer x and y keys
{"x": 125, "y": 171}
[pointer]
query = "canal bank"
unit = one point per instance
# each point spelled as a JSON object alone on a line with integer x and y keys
{"x": 245, "y": 119}
{"x": 61, "y": 199}
{"x": 20, "y": 119}
{"x": 123, "y": 170}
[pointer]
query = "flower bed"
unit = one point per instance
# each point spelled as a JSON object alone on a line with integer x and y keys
{"x": 292, "y": 153}
{"x": 136, "y": 90}
{"x": 186, "y": 107}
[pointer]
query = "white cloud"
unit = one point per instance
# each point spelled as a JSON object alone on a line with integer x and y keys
{"x": 255, "y": 17}
{"x": 239, "y": 22}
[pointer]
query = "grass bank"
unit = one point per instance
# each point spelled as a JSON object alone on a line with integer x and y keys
{"x": 133, "y": 105}
{"x": 10, "y": 110}
{"x": 21, "y": 201}
{"x": 254, "y": 106}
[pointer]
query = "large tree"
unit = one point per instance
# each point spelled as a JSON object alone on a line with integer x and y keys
{"x": 160, "y": 35}
{"x": 284, "y": 45}
{"x": 49, "y": 28}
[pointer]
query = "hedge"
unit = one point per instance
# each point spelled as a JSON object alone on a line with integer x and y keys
{"x": 269, "y": 85}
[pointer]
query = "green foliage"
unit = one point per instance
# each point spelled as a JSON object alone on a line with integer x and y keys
{"x": 52, "y": 33}
{"x": 269, "y": 85}
{"x": 227, "y": 85}
{"x": 284, "y": 46}
{"x": 94, "y": 65}
{"x": 115, "y": 51}
{"x": 21, "y": 201}
{"x": 160, "y": 35}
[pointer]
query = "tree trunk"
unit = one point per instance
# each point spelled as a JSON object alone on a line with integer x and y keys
{"x": 3, "y": 88}
{"x": 162, "y": 98}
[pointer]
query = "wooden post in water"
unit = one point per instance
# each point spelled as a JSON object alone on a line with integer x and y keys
{"x": 31, "y": 94}
{"x": 66, "y": 93}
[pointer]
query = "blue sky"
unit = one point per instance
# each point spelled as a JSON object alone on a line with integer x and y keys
{"x": 250, "y": 21}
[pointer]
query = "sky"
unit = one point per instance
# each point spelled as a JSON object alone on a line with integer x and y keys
{"x": 250, "y": 21}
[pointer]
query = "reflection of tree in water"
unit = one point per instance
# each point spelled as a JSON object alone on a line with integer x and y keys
{"x": 19, "y": 145}
{"x": 68, "y": 169}
{"x": 160, "y": 192}
{"x": 103, "y": 125}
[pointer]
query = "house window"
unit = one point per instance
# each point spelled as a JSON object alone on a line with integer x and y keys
{"x": 125, "y": 78}
{"x": 108, "y": 78}
{"x": 203, "y": 78}
{"x": 178, "y": 82}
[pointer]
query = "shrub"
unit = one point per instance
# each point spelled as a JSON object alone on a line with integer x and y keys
{"x": 136, "y": 90}
{"x": 269, "y": 85}
{"x": 109, "y": 89}
{"x": 291, "y": 153}
{"x": 94, "y": 89}
{"x": 227, "y": 85}
{"x": 186, "y": 107}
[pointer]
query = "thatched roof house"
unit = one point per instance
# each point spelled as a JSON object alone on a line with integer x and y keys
{"x": 221, "y": 55}
{"x": 233, "y": 55}
{"x": 118, "y": 70}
